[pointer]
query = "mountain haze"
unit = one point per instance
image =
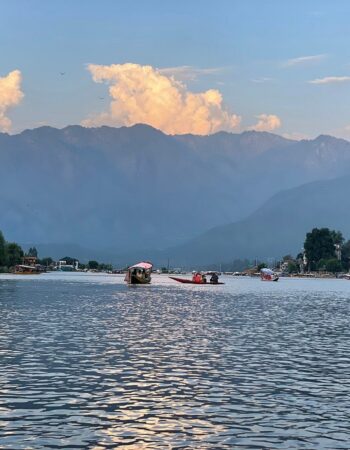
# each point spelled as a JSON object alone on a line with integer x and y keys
{"x": 276, "y": 229}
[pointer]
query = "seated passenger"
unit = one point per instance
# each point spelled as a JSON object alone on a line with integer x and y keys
{"x": 214, "y": 279}
{"x": 197, "y": 278}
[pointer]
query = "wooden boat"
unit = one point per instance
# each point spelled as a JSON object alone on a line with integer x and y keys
{"x": 187, "y": 281}
{"x": 268, "y": 275}
{"x": 22, "y": 269}
{"x": 139, "y": 273}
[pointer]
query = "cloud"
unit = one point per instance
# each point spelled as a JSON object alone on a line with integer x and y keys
{"x": 330, "y": 80}
{"x": 189, "y": 73}
{"x": 10, "y": 95}
{"x": 266, "y": 122}
{"x": 143, "y": 94}
{"x": 304, "y": 60}
{"x": 262, "y": 80}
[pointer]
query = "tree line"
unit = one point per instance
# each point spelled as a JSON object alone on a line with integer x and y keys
{"x": 324, "y": 250}
{"x": 12, "y": 254}
{"x": 90, "y": 265}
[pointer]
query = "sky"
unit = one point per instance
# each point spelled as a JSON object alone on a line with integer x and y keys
{"x": 184, "y": 66}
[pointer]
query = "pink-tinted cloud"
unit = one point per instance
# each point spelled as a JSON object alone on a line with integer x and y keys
{"x": 10, "y": 95}
{"x": 143, "y": 94}
{"x": 267, "y": 122}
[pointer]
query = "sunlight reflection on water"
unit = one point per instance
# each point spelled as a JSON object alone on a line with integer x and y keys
{"x": 88, "y": 362}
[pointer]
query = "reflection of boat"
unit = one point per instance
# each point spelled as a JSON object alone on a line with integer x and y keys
{"x": 22, "y": 269}
{"x": 268, "y": 275}
{"x": 139, "y": 273}
{"x": 187, "y": 281}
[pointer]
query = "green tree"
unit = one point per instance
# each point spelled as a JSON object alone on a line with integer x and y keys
{"x": 321, "y": 264}
{"x": 32, "y": 252}
{"x": 345, "y": 255}
{"x": 46, "y": 261}
{"x": 70, "y": 261}
{"x": 293, "y": 267}
{"x": 337, "y": 237}
{"x": 3, "y": 252}
{"x": 261, "y": 266}
{"x": 319, "y": 244}
{"x": 14, "y": 254}
{"x": 333, "y": 265}
{"x": 93, "y": 265}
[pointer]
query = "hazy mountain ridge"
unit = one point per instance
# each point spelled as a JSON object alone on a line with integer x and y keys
{"x": 275, "y": 229}
{"x": 129, "y": 188}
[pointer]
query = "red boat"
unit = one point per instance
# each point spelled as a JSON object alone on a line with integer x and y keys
{"x": 187, "y": 281}
{"x": 268, "y": 275}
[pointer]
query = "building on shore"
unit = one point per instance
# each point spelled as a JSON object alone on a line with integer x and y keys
{"x": 64, "y": 267}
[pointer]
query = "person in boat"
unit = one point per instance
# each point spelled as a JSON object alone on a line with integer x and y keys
{"x": 133, "y": 275}
{"x": 204, "y": 279}
{"x": 197, "y": 278}
{"x": 214, "y": 279}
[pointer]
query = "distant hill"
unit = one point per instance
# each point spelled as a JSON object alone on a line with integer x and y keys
{"x": 276, "y": 229}
{"x": 117, "y": 190}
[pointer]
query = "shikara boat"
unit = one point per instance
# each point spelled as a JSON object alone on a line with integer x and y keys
{"x": 187, "y": 281}
{"x": 268, "y": 275}
{"x": 139, "y": 273}
{"x": 22, "y": 269}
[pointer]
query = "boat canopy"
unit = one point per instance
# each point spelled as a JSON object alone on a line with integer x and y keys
{"x": 142, "y": 265}
{"x": 267, "y": 271}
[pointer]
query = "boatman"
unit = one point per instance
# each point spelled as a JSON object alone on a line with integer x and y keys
{"x": 214, "y": 279}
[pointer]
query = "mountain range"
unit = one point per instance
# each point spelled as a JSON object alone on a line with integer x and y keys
{"x": 116, "y": 192}
{"x": 277, "y": 228}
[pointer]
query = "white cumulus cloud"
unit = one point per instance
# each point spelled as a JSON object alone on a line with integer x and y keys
{"x": 10, "y": 95}
{"x": 267, "y": 122}
{"x": 143, "y": 94}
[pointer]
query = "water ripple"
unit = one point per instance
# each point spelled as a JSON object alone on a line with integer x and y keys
{"x": 99, "y": 365}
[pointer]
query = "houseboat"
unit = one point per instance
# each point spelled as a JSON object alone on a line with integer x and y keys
{"x": 139, "y": 273}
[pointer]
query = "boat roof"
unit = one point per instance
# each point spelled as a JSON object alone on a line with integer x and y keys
{"x": 142, "y": 265}
{"x": 267, "y": 271}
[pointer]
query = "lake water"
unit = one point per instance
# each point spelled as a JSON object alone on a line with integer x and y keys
{"x": 88, "y": 362}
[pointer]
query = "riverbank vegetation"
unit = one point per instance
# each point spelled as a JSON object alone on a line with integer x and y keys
{"x": 324, "y": 250}
{"x": 12, "y": 254}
